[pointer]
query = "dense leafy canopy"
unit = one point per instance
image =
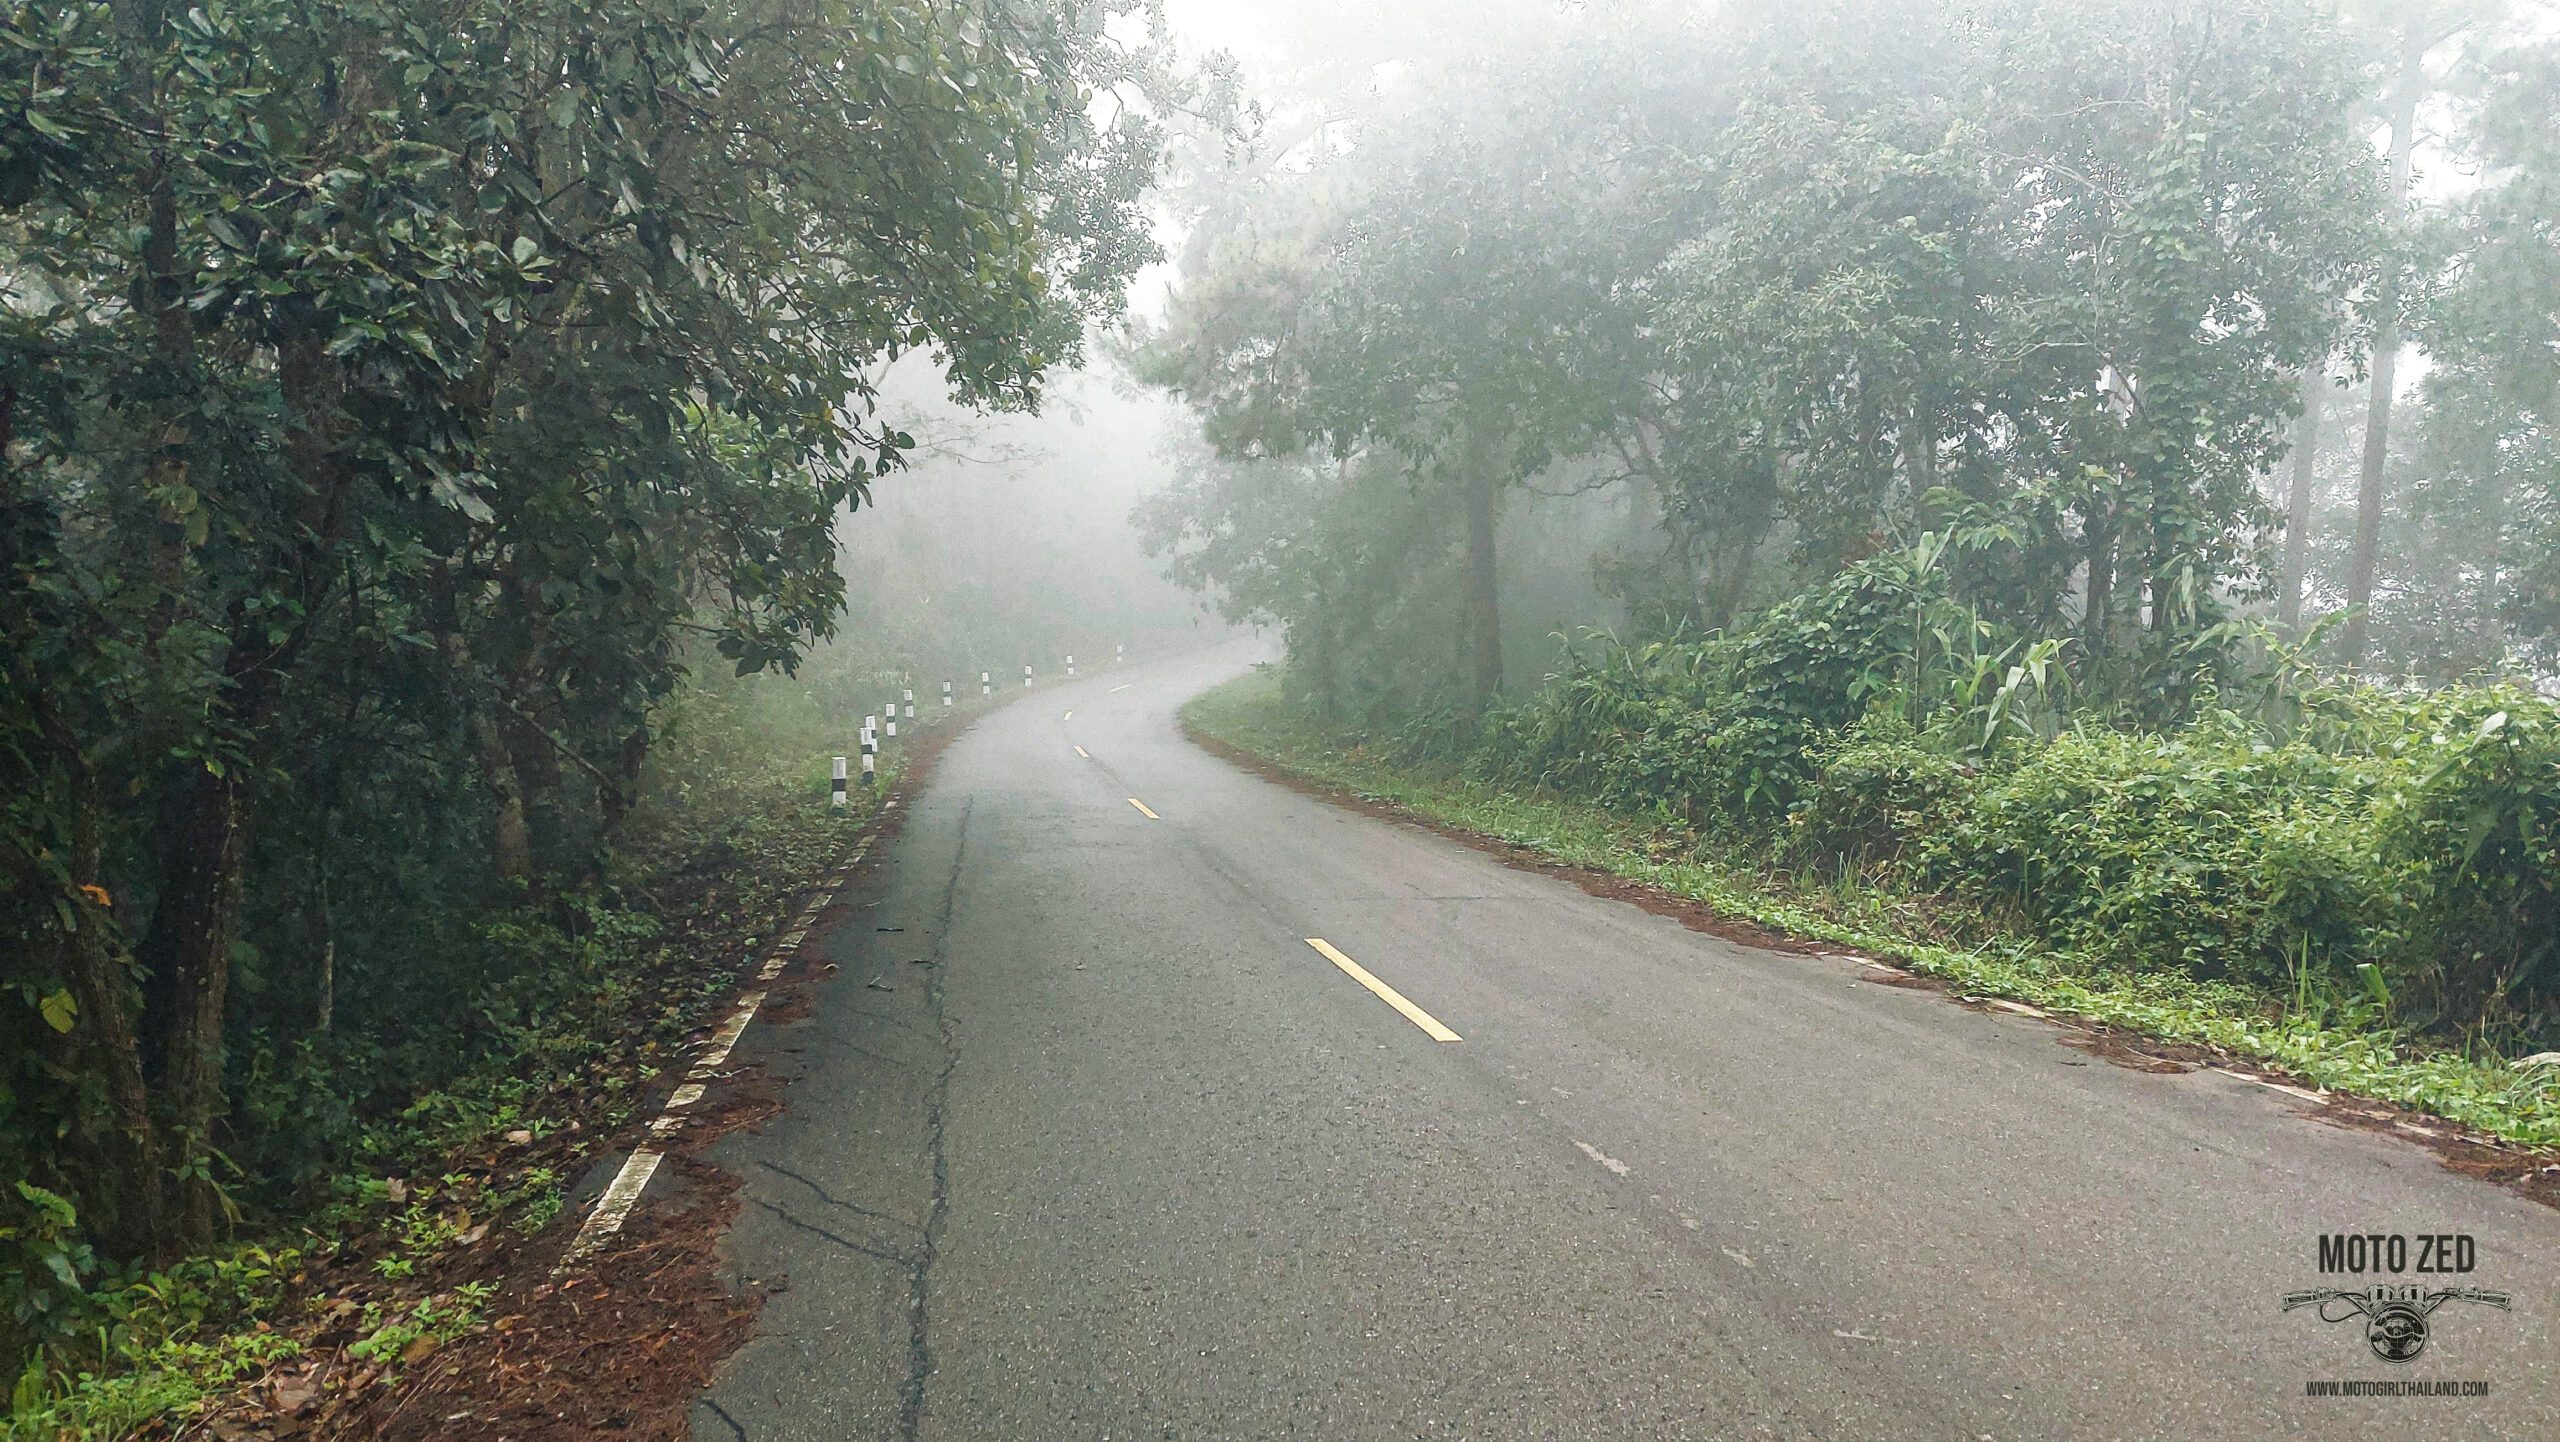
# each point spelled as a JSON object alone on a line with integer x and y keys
{"x": 2045, "y": 275}
{"x": 1918, "y": 378}
{"x": 389, "y": 392}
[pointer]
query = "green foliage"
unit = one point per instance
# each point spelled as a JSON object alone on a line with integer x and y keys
{"x": 1725, "y": 728}
{"x": 396, "y": 410}
{"x": 546, "y": 1013}
{"x": 1872, "y": 728}
{"x": 138, "y": 1347}
{"x": 1803, "y": 279}
{"x": 2470, "y": 831}
{"x": 2336, "y": 1029}
{"x": 2207, "y": 851}
{"x": 44, "y": 1285}
{"x": 1879, "y": 792}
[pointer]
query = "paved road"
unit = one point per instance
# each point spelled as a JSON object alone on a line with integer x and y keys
{"x": 1131, "y": 1159}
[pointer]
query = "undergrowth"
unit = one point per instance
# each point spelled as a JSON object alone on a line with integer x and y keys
{"x": 583, "y": 1001}
{"x": 2345, "y": 1038}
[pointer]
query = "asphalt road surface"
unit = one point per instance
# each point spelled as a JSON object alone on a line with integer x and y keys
{"x": 1130, "y": 1158}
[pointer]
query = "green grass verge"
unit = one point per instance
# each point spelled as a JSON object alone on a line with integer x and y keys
{"x": 737, "y": 826}
{"x": 2363, "y": 1057}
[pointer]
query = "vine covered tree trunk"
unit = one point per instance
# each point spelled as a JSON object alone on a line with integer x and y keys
{"x": 2096, "y": 617}
{"x": 205, "y": 835}
{"x": 2297, "y": 507}
{"x": 1484, "y": 609}
{"x": 2386, "y": 354}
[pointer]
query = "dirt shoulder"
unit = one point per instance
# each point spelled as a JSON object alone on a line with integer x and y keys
{"x": 510, "y": 1342}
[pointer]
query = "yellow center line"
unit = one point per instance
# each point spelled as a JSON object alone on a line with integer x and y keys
{"x": 1087, "y": 755}
{"x": 1386, "y": 993}
{"x": 1142, "y": 807}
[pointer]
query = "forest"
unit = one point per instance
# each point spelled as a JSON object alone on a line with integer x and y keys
{"x": 423, "y": 432}
{"x": 2066, "y": 495}
{"x": 2080, "y": 479}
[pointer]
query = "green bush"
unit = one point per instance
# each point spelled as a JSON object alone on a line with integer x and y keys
{"x": 1878, "y": 789}
{"x": 1719, "y": 732}
{"x": 2282, "y": 846}
{"x": 2470, "y": 835}
{"x": 2207, "y": 851}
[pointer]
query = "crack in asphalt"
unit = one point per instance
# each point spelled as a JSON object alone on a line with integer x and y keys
{"x": 830, "y": 1199}
{"x": 784, "y": 1216}
{"x": 722, "y": 1413}
{"x": 937, "y": 1096}
{"x": 881, "y": 1057}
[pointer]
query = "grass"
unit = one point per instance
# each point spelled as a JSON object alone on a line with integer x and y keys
{"x": 736, "y": 824}
{"x": 2347, "y": 1048}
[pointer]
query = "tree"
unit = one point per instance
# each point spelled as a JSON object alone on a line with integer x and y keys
{"x": 374, "y": 386}
{"x": 2415, "y": 32}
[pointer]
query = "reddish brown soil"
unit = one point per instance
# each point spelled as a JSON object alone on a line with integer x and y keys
{"x": 620, "y": 1348}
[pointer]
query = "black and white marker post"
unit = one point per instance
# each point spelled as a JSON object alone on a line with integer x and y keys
{"x": 946, "y": 693}
{"x": 892, "y": 732}
{"x": 836, "y": 793}
{"x": 1119, "y": 653}
{"x": 911, "y": 703}
{"x": 1071, "y": 665}
{"x": 1026, "y": 674}
{"x": 986, "y": 684}
{"x": 870, "y": 749}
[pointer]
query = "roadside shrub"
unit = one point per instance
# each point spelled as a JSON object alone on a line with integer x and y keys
{"x": 1879, "y": 787}
{"x": 2471, "y": 839}
{"x": 2207, "y": 851}
{"x": 1719, "y": 731}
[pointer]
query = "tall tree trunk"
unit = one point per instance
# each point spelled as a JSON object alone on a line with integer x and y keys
{"x": 2386, "y": 354}
{"x": 614, "y": 802}
{"x": 204, "y": 848}
{"x": 101, "y": 986}
{"x": 1920, "y": 462}
{"x": 209, "y": 819}
{"x": 510, "y": 836}
{"x": 2493, "y": 505}
{"x": 325, "y": 1005}
{"x": 1328, "y": 700}
{"x": 2377, "y": 447}
{"x": 1484, "y": 610}
{"x": 510, "y": 839}
{"x": 2096, "y": 613}
{"x": 2297, "y": 508}
{"x": 534, "y": 759}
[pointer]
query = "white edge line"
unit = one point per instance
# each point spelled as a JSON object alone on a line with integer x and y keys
{"x": 623, "y": 1193}
{"x": 1603, "y": 1158}
{"x": 614, "y": 1206}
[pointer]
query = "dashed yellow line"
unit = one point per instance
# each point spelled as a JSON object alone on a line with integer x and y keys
{"x": 1388, "y": 994}
{"x": 1142, "y": 807}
